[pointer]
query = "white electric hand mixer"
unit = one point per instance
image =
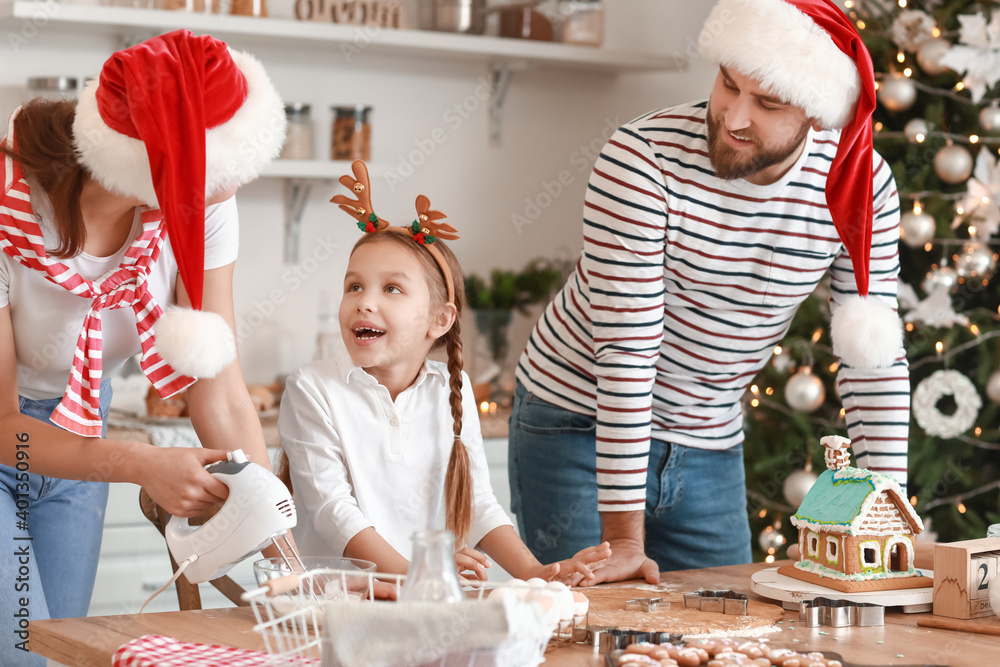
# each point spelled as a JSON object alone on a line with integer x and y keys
{"x": 259, "y": 510}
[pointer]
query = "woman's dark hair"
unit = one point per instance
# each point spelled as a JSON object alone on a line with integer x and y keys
{"x": 43, "y": 138}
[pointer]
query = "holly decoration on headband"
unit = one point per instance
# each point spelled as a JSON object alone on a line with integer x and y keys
{"x": 370, "y": 226}
{"x": 419, "y": 235}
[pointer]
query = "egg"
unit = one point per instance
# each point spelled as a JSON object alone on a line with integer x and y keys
{"x": 580, "y": 605}
{"x": 536, "y": 582}
{"x": 563, "y": 599}
{"x": 546, "y": 600}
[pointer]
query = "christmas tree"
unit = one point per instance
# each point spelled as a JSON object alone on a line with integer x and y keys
{"x": 937, "y": 66}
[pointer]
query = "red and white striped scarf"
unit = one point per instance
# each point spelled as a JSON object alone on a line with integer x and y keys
{"x": 123, "y": 287}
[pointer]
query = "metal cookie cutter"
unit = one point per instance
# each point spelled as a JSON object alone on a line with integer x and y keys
{"x": 840, "y": 613}
{"x": 645, "y": 604}
{"x": 726, "y": 602}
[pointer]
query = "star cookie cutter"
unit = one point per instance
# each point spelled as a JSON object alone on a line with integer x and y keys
{"x": 725, "y": 602}
{"x": 645, "y": 604}
{"x": 840, "y": 613}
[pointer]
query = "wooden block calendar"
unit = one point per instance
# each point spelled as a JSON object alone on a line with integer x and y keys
{"x": 962, "y": 575}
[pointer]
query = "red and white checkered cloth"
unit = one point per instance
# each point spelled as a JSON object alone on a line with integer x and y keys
{"x": 159, "y": 651}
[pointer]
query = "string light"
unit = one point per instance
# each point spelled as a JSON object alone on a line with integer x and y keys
{"x": 939, "y": 346}
{"x": 849, "y": 4}
{"x": 901, "y": 57}
{"x": 917, "y": 207}
{"x": 908, "y": 72}
{"x": 961, "y": 508}
{"x": 861, "y": 25}
{"x": 974, "y": 329}
{"x": 973, "y": 138}
{"x": 960, "y": 85}
{"x": 879, "y": 126}
{"x": 928, "y": 246}
{"x": 762, "y": 513}
{"x": 769, "y": 391}
{"x": 902, "y": 3}
{"x": 777, "y": 349}
{"x": 909, "y": 326}
{"x": 755, "y": 403}
{"x": 817, "y": 335}
{"x": 913, "y": 500}
{"x": 978, "y": 431}
{"x": 833, "y": 367}
{"x": 754, "y": 389}
{"x": 936, "y": 31}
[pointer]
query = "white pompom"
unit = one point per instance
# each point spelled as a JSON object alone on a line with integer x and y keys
{"x": 194, "y": 342}
{"x": 866, "y": 333}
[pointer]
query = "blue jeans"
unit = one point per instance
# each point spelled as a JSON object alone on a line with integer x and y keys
{"x": 50, "y": 533}
{"x": 696, "y": 505}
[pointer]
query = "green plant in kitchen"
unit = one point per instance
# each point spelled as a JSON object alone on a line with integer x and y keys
{"x": 495, "y": 301}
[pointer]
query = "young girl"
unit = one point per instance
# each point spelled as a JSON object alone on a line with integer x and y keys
{"x": 377, "y": 436}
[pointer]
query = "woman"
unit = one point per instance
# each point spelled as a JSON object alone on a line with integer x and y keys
{"x": 105, "y": 204}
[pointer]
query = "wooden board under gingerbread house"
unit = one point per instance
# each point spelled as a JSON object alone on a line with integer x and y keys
{"x": 607, "y": 608}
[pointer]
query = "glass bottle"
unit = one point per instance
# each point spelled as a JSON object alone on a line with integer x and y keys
{"x": 432, "y": 576}
{"x": 583, "y": 22}
{"x": 299, "y": 140}
{"x": 351, "y": 133}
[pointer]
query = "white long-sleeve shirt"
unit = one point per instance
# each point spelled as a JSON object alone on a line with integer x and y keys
{"x": 360, "y": 459}
{"x": 685, "y": 285}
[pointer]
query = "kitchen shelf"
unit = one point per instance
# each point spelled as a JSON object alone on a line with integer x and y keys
{"x": 495, "y": 51}
{"x": 502, "y": 56}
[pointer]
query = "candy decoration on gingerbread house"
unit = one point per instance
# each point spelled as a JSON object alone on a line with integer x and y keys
{"x": 856, "y": 529}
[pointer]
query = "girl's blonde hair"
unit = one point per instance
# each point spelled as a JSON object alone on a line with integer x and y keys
{"x": 458, "y": 478}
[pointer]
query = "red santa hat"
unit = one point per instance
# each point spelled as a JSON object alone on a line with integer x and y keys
{"x": 808, "y": 53}
{"x": 172, "y": 121}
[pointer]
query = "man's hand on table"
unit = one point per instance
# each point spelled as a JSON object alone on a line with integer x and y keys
{"x": 627, "y": 561}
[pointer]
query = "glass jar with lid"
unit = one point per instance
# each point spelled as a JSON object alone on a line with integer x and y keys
{"x": 350, "y": 137}
{"x": 52, "y": 87}
{"x": 299, "y": 139}
{"x": 583, "y": 22}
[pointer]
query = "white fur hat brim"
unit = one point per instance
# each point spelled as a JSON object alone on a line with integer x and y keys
{"x": 236, "y": 152}
{"x": 774, "y": 43}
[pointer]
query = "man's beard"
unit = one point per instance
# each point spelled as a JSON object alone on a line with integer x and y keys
{"x": 730, "y": 164}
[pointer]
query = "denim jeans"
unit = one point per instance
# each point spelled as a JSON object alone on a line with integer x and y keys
{"x": 696, "y": 505}
{"x": 50, "y": 533}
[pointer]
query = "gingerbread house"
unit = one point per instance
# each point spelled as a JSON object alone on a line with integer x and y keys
{"x": 856, "y": 529}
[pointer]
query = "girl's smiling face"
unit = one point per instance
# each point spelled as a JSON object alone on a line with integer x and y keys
{"x": 388, "y": 318}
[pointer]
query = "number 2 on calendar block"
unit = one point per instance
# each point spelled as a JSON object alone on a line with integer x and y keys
{"x": 983, "y": 567}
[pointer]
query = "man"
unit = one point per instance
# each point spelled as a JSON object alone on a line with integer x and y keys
{"x": 705, "y": 227}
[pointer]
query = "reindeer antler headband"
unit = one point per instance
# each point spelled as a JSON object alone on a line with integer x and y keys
{"x": 424, "y": 230}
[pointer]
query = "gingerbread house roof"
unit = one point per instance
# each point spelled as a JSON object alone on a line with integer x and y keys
{"x": 840, "y": 501}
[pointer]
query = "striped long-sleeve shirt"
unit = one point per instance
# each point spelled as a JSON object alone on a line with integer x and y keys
{"x": 685, "y": 285}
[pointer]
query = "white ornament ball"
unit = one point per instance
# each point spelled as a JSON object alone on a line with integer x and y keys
{"x": 976, "y": 261}
{"x": 797, "y": 486}
{"x": 916, "y": 130}
{"x": 929, "y": 56}
{"x": 770, "y": 540}
{"x": 804, "y": 391}
{"x": 993, "y": 387}
{"x": 953, "y": 164}
{"x": 989, "y": 118}
{"x": 916, "y": 229}
{"x": 943, "y": 276}
{"x": 897, "y": 93}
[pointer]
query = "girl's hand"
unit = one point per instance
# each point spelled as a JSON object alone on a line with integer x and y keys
{"x": 471, "y": 560}
{"x": 581, "y": 567}
{"x": 175, "y": 477}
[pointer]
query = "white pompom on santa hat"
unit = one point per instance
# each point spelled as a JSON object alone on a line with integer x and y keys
{"x": 808, "y": 53}
{"x": 172, "y": 121}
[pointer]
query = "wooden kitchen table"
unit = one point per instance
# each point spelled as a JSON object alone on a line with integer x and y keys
{"x": 92, "y": 641}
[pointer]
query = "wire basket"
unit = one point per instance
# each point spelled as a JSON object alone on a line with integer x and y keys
{"x": 289, "y": 615}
